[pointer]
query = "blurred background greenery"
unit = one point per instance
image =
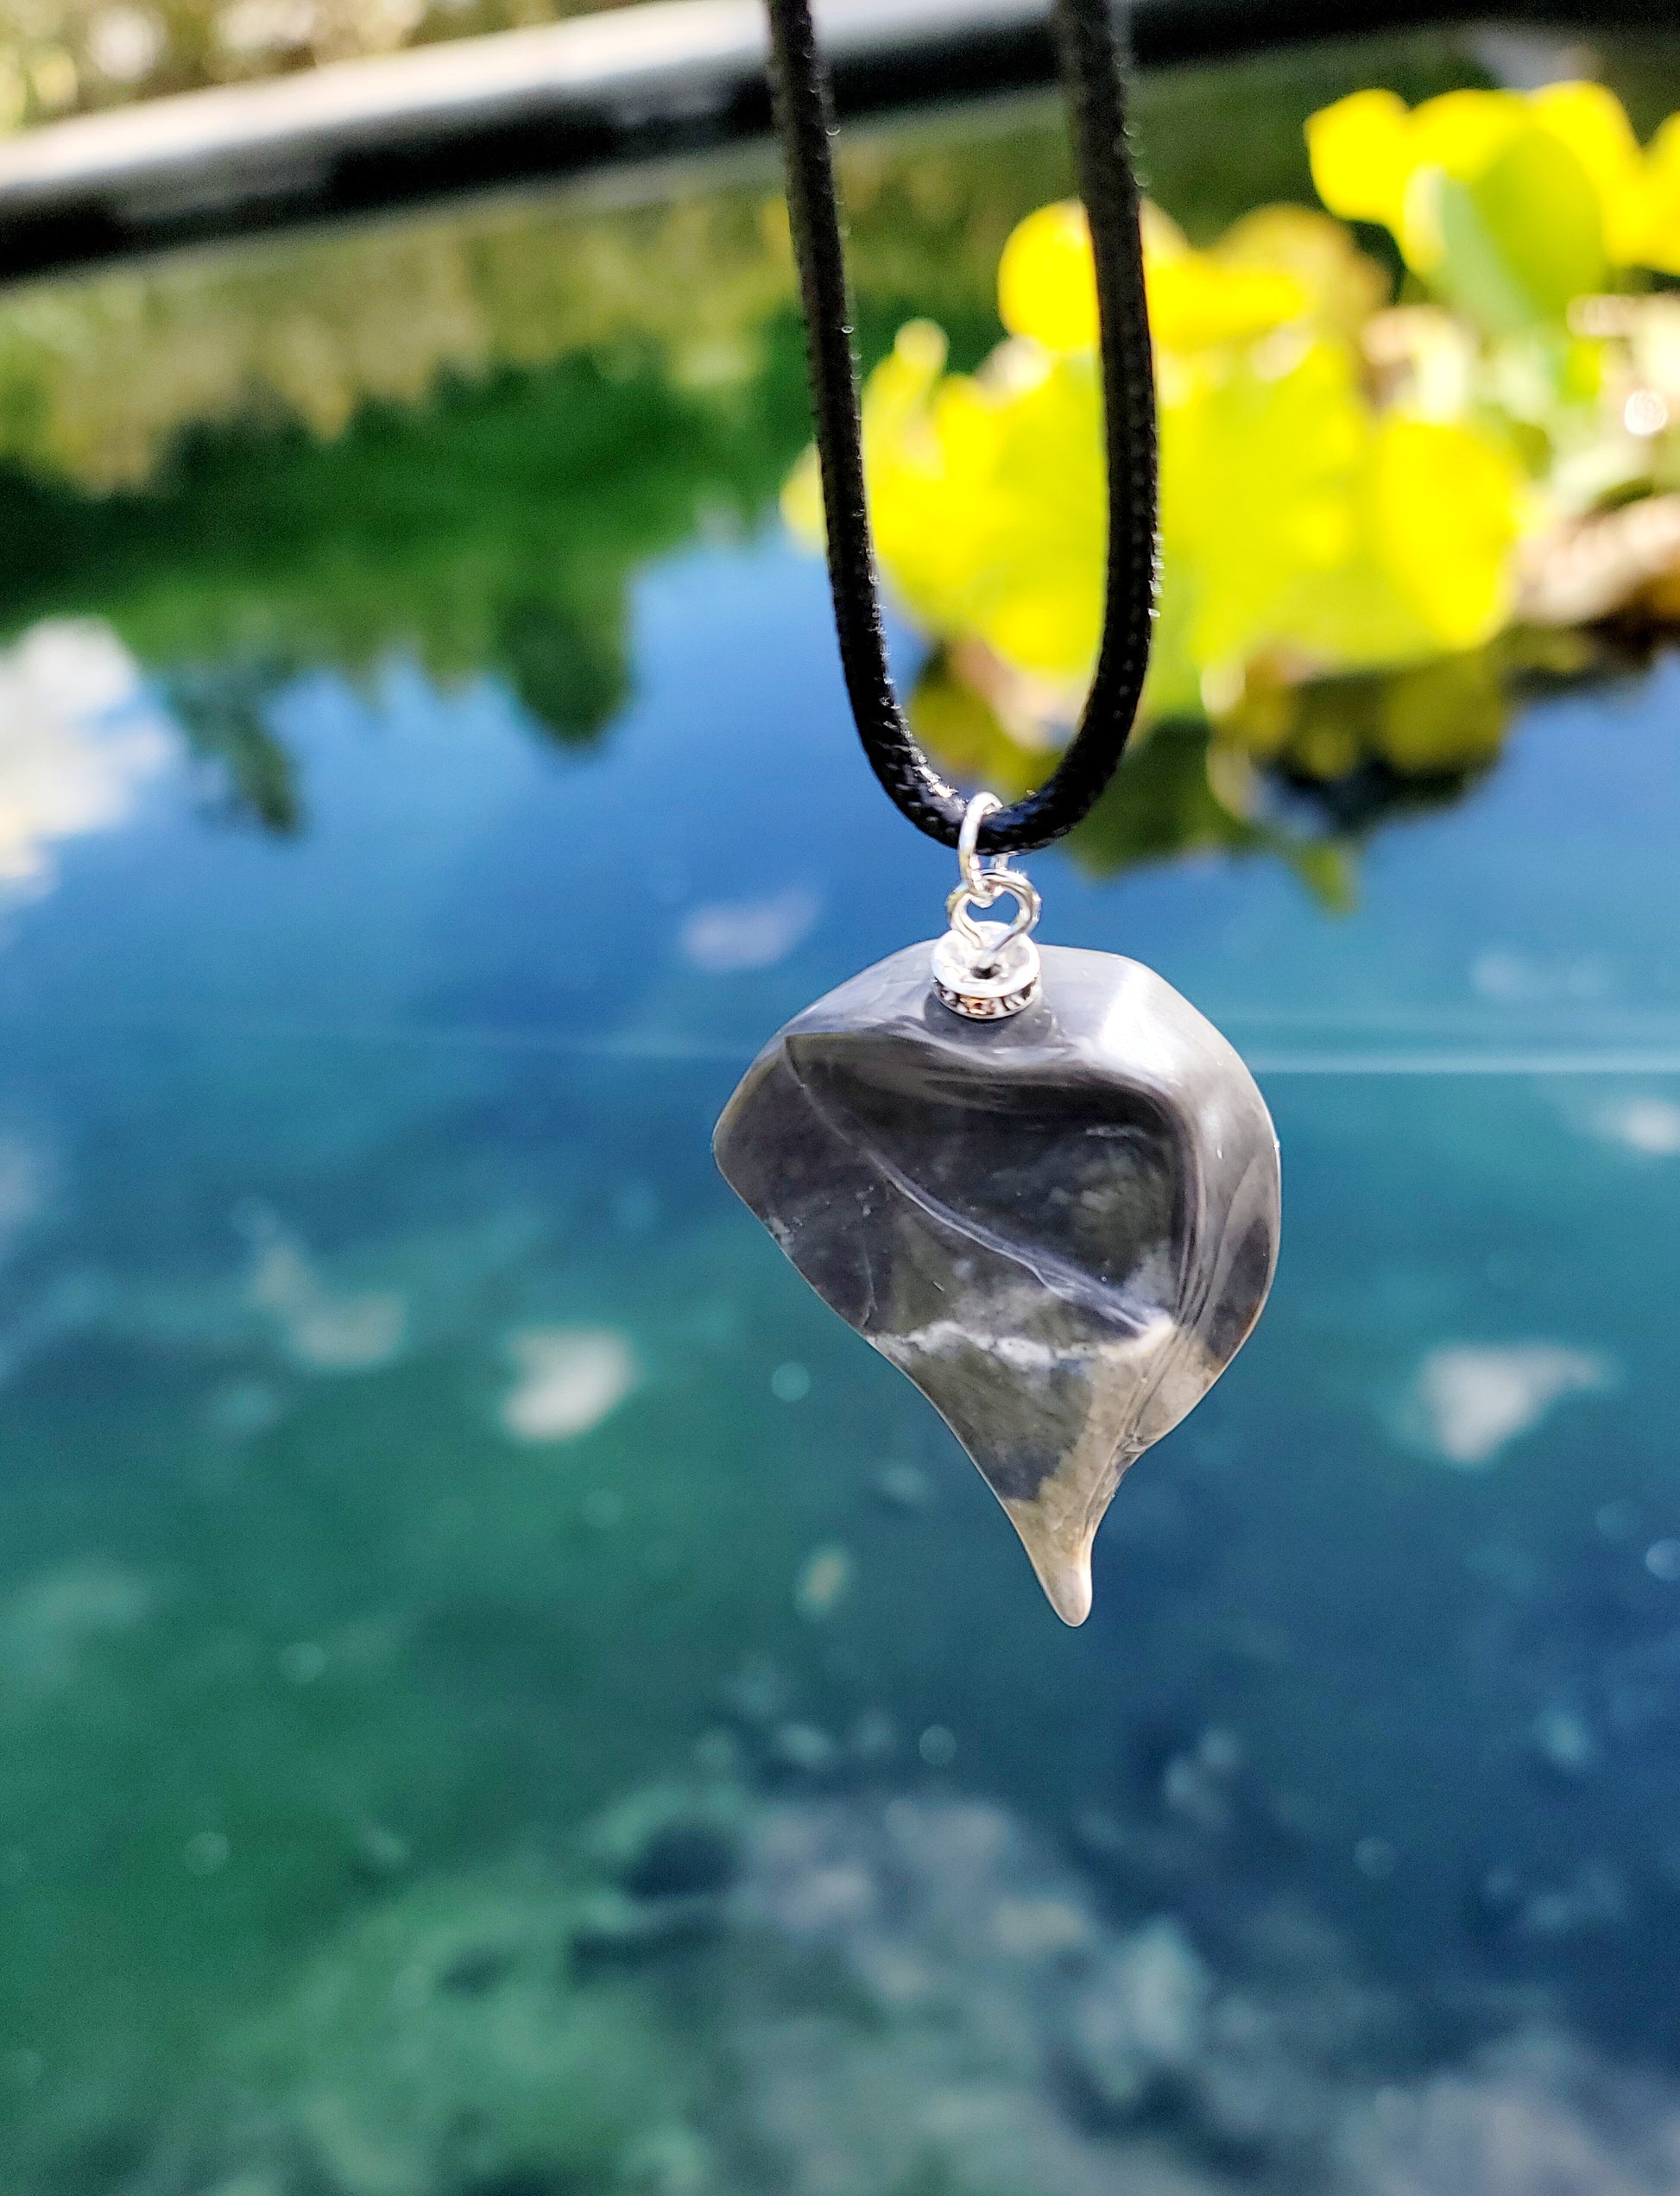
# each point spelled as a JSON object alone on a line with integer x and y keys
{"x": 325, "y": 447}
{"x": 59, "y": 57}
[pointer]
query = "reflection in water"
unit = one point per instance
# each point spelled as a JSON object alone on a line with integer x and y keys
{"x": 499, "y": 1694}
{"x": 521, "y": 1706}
{"x": 1301, "y": 773}
{"x": 568, "y": 1380}
{"x": 650, "y": 346}
{"x": 1469, "y": 1402}
{"x": 221, "y": 710}
{"x": 1649, "y": 1124}
{"x": 724, "y": 936}
{"x": 78, "y": 738}
{"x": 327, "y": 1331}
{"x": 477, "y": 534}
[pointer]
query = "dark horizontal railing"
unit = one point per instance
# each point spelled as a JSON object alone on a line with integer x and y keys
{"x": 631, "y": 83}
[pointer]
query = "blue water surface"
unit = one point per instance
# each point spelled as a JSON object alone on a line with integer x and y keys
{"x": 319, "y": 1155}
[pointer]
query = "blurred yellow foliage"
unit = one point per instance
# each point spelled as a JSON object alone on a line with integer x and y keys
{"x": 1046, "y": 285}
{"x": 1346, "y": 486}
{"x": 1300, "y": 525}
{"x": 1508, "y": 202}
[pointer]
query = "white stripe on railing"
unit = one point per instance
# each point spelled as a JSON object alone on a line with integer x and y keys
{"x": 668, "y": 58}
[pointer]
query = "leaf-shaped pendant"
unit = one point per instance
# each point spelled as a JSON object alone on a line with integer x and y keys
{"x": 1060, "y": 1221}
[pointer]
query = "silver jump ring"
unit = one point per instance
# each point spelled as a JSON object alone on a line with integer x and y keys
{"x": 968, "y": 846}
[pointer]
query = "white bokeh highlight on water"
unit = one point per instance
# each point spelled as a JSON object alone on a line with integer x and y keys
{"x": 1468, "y": 1402}
{"x": 322, "y": 1327}
{"x": 1646, "y": 1125}
{"x": 79, "y": 737}
{"x": 730, "y": 937}
{"x": 569, "y": 1379}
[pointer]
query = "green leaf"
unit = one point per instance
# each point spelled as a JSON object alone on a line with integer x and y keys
{"x": 1523, "y": 238}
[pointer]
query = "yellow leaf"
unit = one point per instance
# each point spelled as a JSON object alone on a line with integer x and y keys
{"x": 1343, "y": 286}
{"x": 1372, "y": 161}
{"x": 1036, "y": 595}
{"x": 1455, "y": 138}
{"x": 1360, "y": 151}
{"x": 1593, "y": 123}
{"x": 1258, "y": 477}
{"x": 1461, "y": 132}
{"x": 988, "y": 499}
{"x": 1446, "y": 503}
{"x": 1047, "y": 283}
{"x": 1195, "y": 301}
{"x": 1284, "y": 261}
{"x": 1302, "y": 530}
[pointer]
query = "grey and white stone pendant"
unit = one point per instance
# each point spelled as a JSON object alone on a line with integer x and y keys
{"x": 1057, "y": 1215}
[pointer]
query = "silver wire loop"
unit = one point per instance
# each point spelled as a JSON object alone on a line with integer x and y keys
{"x": 986, "y": 970}
{"x": 996, "y": 884}
{"x": 984, "y": 887}
{"x": 968, "y": 841}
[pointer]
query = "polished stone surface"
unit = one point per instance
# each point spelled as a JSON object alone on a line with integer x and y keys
{"x": 1061, "y": 1227}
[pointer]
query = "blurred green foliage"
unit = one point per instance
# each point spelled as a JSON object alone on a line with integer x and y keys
{"x": 59, "y": 57}
{"x": 461, "y": 436}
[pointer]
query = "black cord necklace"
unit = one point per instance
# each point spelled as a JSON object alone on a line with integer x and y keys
{"x": 805, "y": 111}
{"x": 1039, "y": 1182}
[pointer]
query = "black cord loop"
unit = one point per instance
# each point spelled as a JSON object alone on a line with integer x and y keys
{"x": 1092, "y": 69}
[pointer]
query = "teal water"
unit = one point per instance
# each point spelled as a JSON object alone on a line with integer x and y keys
{"x": 501, "y": 1694}
{"x": 319, "y": 1155}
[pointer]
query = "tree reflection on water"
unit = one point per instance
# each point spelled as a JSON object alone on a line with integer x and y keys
{"x": 460, "y": 439}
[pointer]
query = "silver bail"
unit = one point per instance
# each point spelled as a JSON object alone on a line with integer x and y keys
{"x": 987, "y": 971}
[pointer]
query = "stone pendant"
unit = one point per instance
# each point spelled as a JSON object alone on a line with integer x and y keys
{"x": 1057, "y": 1215}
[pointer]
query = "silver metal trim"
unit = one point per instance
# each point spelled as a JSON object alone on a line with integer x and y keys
{"x": 986, "y": 970}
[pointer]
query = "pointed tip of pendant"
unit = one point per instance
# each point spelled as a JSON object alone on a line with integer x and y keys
{"x": 1064, "y": 1570}
{"x": 1067, "y": 1584}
